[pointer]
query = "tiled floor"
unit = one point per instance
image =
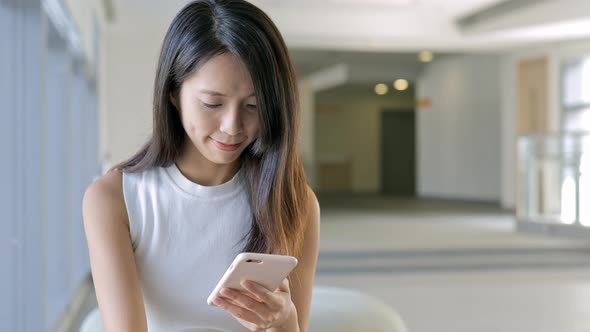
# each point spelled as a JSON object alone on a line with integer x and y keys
{"x": 490, "y": 301}
{"x": 454, "y": 267}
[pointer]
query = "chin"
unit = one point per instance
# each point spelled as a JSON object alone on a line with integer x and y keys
{"x": 220, "y": 161}
{"x": 225, "y": 160}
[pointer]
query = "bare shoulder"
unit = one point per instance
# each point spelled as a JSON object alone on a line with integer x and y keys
{"x": 105, "y": 196}
{"x": 110, "y": 183}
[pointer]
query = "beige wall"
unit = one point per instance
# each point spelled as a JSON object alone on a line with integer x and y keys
{"x": 349, "y": 128}
{"x": 306, "y": 131}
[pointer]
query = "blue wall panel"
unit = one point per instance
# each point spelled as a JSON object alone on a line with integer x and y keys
{"x": 56, "y": 175}
{"x": 48, "y": 137}
{"x": 7, "y": 169}
{"x": 29, "y": 130}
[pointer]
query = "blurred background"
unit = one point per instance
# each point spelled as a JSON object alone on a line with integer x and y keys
{"x": 447, "y": 141}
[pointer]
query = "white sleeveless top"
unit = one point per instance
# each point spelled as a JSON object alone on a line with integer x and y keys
{"x": 184, "y": 237}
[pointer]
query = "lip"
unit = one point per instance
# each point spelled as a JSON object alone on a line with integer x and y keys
{"x": 226, "y": 147}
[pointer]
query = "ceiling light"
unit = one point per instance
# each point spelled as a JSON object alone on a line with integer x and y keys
{"x": 425, "y": 56}
{"x": 381, "y": 89}
{"x": 401, "y": 84}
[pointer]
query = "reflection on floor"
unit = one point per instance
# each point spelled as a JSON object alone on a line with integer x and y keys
{"x": 453, "y": 267}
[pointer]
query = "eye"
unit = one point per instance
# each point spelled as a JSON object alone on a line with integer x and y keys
{"x": 212, "y": 106}
{"x": 251, "y": 106}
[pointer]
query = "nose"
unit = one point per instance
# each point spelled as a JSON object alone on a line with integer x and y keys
{"x": 231, "y": 122}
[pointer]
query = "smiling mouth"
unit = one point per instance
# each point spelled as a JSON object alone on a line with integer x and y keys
{"x": 226, "y": 147}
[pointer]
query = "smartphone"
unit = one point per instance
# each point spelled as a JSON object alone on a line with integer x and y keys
{"x": 265, "y": 269}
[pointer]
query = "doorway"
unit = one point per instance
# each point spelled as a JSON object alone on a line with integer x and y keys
{"x": 398, "y": 153}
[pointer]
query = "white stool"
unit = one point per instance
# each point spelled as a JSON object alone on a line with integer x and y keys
{"x": 92, "y": 322}
{"x": 339, "y": 309}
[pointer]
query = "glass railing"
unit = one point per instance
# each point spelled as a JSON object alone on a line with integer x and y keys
{"x": 553, "y": 179}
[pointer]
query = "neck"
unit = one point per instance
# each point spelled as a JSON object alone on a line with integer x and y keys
{"x": 195, "y": 167}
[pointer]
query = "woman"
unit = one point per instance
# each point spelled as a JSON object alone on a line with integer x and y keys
{"x": 220, "y": 175}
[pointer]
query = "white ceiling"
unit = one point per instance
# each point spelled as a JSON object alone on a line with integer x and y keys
{"x": 397, "y": 25}
{"x": 448, "y": 8}
{"x": 368, "y": 35}
{"x": 158, "y": 9}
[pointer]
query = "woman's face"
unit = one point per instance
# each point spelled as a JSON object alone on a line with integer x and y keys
{"x": 218, "y": 109}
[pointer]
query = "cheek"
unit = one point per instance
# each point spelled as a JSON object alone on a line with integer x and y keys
{"x": 253, "y": 125}
{"x": 195, "y": 123}
{"x": 192, "y": 129}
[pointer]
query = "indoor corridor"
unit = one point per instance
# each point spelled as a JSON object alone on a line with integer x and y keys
{"x": 448, "y": 143}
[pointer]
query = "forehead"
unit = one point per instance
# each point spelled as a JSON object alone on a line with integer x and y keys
{"x": 224, "y": 73}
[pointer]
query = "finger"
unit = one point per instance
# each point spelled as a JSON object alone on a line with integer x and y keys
{"x": 237, "y": 311}
{"x": 285, "y": 286}
{"x": 266, "y": 296}
{"x": 247, "y": 302}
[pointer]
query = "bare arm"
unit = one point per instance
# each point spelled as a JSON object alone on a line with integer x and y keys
{"x": 111, "y": 256}
{"x": 303, "y": 276}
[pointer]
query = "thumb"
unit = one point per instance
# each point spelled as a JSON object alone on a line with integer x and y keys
{"x": 284, "y": 286}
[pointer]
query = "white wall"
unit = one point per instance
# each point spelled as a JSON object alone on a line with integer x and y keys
{"x": 508, "y": 110}
{"x": 353, "y": 132}
{"x": 130, "y": 66}
{"x": 459, "y": 135}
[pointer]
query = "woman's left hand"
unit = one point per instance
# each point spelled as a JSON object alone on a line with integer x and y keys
{"x": 258, "y": 308}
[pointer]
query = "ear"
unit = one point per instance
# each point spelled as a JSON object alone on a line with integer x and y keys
{"x": 173, "y": 100}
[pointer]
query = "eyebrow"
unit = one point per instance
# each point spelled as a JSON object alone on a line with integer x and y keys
{"x": 216, "y": 93}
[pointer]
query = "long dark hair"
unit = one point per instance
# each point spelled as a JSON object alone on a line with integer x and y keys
{"x": 274, "y": 174}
